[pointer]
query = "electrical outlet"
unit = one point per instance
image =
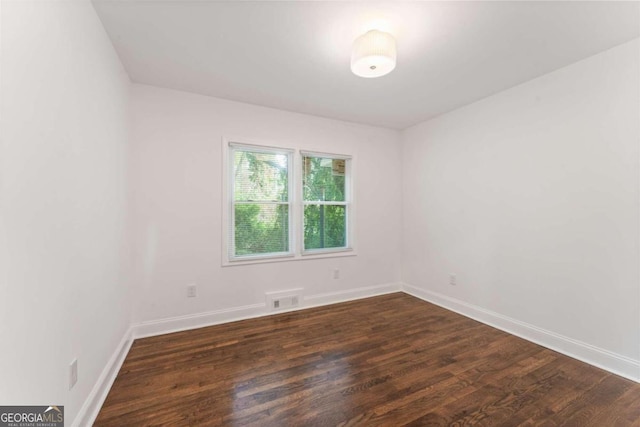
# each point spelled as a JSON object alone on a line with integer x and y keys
{"x": 453, "y": 281}
{"x": 73, "y": 373}
{"x": 192, "y": 291}
{"x": 336, "y": 273}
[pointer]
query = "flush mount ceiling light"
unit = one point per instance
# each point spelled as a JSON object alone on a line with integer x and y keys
{"x": 374, "y": 54}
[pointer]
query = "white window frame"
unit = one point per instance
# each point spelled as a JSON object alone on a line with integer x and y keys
{"x": 296, "y": 205}
{"x": 232, "y": 148}
{"x": 347, "y": 203}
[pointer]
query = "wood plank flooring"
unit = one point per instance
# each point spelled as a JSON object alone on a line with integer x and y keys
{"x": 391, "y": 360}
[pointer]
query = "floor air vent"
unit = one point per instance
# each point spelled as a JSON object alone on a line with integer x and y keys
{"x": 283, "y": 300}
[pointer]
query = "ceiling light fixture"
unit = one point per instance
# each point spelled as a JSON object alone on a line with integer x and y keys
{"x": 374, "y": 54}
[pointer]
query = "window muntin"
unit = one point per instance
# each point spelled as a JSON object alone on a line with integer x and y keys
{"x": 260, "y": 208}
{"x": 325, "y": 193}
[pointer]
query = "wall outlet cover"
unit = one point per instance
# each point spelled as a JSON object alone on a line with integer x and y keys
{"x": 192, "y": 291}
{"x": 73, "y": 373}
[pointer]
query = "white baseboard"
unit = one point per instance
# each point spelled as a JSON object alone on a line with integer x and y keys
{"x": 216, "y": 317}
{"x": 198, "y": 320}
{"x": 604, "y": 359}
{"x": 350, "y": 295}
{"x": 92, "y": 405}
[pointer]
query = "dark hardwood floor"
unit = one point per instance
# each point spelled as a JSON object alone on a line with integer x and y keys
{"x": 385, "y": 361}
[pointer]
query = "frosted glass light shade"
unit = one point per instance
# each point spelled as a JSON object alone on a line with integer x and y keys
{"x": 374, "y": 54}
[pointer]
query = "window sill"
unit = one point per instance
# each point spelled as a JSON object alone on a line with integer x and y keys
{"x": 306, "y": 256}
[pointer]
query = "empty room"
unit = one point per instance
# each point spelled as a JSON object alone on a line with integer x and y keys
{"x": 319, "y": 213}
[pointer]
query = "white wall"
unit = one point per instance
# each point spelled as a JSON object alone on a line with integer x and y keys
{"x": 177, "y": 140}
{"x": 63, "y": 200}
{"x": 531, "y": 197}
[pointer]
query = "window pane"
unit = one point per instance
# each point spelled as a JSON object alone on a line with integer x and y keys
{"x": 261, "y": 228}
{"x": 323, "y": 179}
{"x": 260, "y": 176}
{"x": 325, "y": 226}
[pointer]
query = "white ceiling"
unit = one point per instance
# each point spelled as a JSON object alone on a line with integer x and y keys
{"x": 295, "y": 55}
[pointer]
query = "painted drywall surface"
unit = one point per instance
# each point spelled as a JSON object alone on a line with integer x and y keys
{"x": 177, "y": 173}
{"x": 64, "y": 166}
{"x": 531, "y": 197}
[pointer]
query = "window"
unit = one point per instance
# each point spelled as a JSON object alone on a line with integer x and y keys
{"x": 280, "y": 205}
{"x": 260, "y": 205}
{"x": 324, "y": 194}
